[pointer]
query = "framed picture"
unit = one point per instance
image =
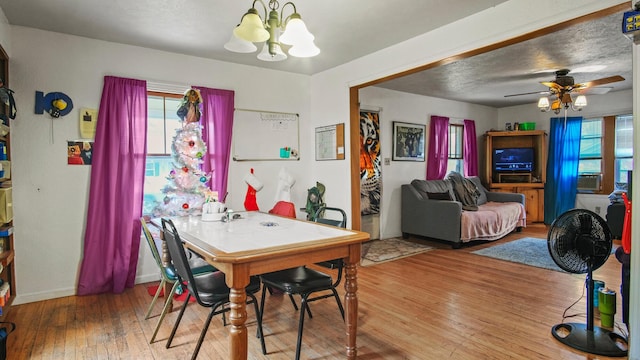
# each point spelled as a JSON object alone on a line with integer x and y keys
{"x": 408, "y": 141}
{"x": 79, "y": 152}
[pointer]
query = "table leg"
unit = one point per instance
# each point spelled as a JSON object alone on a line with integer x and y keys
{"x": 351, "y": 304}
{"x": 238, "y": 332}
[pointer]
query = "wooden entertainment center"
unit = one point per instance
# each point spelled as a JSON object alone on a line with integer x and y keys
{"x": 530, "y": 183}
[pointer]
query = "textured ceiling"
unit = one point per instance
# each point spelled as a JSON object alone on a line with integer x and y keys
{"x": 346, "y": 30}
{"x": 485, "y": 79}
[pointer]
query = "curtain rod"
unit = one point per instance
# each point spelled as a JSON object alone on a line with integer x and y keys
{"x": 451, "y": 117}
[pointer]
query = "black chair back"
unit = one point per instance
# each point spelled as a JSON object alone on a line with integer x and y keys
{"x": 326, "y": 211}
{"x": 336, "y": 217}
{"x": 179, "y": 257}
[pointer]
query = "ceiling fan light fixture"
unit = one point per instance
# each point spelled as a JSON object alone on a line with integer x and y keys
{"x": 556, "y": 105}
{"x": 543, "y": 104}
{"x": 581, "y": 101}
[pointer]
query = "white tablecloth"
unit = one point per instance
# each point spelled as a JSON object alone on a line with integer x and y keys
{"x": 253, "y": 230}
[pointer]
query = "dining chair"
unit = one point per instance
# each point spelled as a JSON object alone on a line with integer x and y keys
{"x": 210, "y": 289}
{"x": 306, "y": 282}
{"x": 168, "y": 276}
{"x": 335, "y": 217}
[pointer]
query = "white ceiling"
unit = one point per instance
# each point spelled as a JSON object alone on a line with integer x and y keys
{"x": 519, "y": 68}
{"x": 345, "y": 30}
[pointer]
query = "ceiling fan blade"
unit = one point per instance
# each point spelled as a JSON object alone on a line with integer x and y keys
{"x": 607, "y": 80}
{"x": 531, "y": 93}
{"x": 599, "y": 90}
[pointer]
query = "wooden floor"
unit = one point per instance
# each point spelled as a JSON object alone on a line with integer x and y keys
{"x": 442, "y": 304}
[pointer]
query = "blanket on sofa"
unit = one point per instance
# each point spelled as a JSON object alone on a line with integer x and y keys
{"x": 492, "y": 221}
{"x": 465, "y": 190}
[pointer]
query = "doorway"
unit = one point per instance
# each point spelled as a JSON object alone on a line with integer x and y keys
{"x": 370, "y": 172}
{"x": 354, "y": 99}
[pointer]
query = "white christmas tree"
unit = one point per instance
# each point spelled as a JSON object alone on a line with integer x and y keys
{"x": 186, "y": 190}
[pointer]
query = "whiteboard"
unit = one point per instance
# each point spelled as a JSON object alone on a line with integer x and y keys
{"x": 265, "y": 135}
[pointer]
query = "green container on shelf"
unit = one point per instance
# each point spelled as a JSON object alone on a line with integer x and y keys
{"x": 527, "y": 126}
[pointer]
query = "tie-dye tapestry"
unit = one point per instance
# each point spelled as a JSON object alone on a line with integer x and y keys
{"x": 370, "y": 174}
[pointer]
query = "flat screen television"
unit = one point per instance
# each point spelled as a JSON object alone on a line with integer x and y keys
{"x": 513, "y": 160}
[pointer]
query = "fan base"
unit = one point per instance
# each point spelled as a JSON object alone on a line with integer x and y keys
{"x": 599, "y": 341}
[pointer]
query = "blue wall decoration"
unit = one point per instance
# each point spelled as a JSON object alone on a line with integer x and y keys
{"x": 55, "y": 104}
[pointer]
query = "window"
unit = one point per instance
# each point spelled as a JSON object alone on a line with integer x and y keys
{"x": 162, "y": 125}
{"x": 455, "y": 161}
{"x": 623, "y": 148}
{"x": 591, "y": 147}
{"x": 606, "y": 150}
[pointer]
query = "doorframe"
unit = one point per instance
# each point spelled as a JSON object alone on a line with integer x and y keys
{"x": 354, "y": 98}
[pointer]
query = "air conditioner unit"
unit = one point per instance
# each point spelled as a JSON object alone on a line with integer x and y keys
{"x": 589, "y": 182}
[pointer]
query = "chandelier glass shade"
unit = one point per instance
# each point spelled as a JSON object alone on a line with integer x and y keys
{"x": 238, "y": 45}
{"x": 274, "y": 31}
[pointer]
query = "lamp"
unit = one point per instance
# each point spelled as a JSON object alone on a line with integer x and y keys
{"x": 253, "y": 29}
{"x": 564, "y": 100}
{"x": 238, "y": 45}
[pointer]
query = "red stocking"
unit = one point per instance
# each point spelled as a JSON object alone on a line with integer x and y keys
{"x": 250, "y": 203}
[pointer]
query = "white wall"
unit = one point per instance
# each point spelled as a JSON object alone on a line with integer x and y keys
{"x": 411, "y": 108}
{"x": 5, "y": 31}
{"x": 50, "y": 197}
{"x": 330, "y": 89}
{"x": 634, "y": 303}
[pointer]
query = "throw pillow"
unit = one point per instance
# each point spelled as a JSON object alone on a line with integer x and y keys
{"x": 482, "y": 198}
{"x": 439, "y": 196}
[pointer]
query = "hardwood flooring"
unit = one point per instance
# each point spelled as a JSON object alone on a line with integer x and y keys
{"x": 442, "y": 304}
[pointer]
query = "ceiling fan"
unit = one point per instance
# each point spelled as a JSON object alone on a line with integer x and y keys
{"x": 564, "y": 84}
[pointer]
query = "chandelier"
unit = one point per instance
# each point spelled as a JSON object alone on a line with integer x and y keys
{"x": 563, "y": 101}
{"x": 274, "y": 31}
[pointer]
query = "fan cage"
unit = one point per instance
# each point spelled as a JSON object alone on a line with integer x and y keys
{"x": 579, "y": 240}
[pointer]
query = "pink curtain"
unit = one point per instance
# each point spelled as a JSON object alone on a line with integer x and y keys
{"x": 438, "y": 153}
{"x": 470, "y": 149}
{"x": 217, "y": 123}
{"x": 112, "y": 234}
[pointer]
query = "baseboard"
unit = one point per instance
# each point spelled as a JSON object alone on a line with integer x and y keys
{"x": 58, "y": 293}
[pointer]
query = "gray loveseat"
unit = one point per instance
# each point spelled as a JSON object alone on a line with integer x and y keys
{"x": 427, "y": 210}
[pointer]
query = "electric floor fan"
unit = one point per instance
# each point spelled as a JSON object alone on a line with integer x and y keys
{"x": 579, "y": 242}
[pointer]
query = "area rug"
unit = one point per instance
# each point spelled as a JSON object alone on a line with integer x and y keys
{"x": 528, "y": 251}
{"x": 380, "y": 251}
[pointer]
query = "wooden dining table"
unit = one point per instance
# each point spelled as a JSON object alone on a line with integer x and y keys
{"x": 254, "y": 243}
